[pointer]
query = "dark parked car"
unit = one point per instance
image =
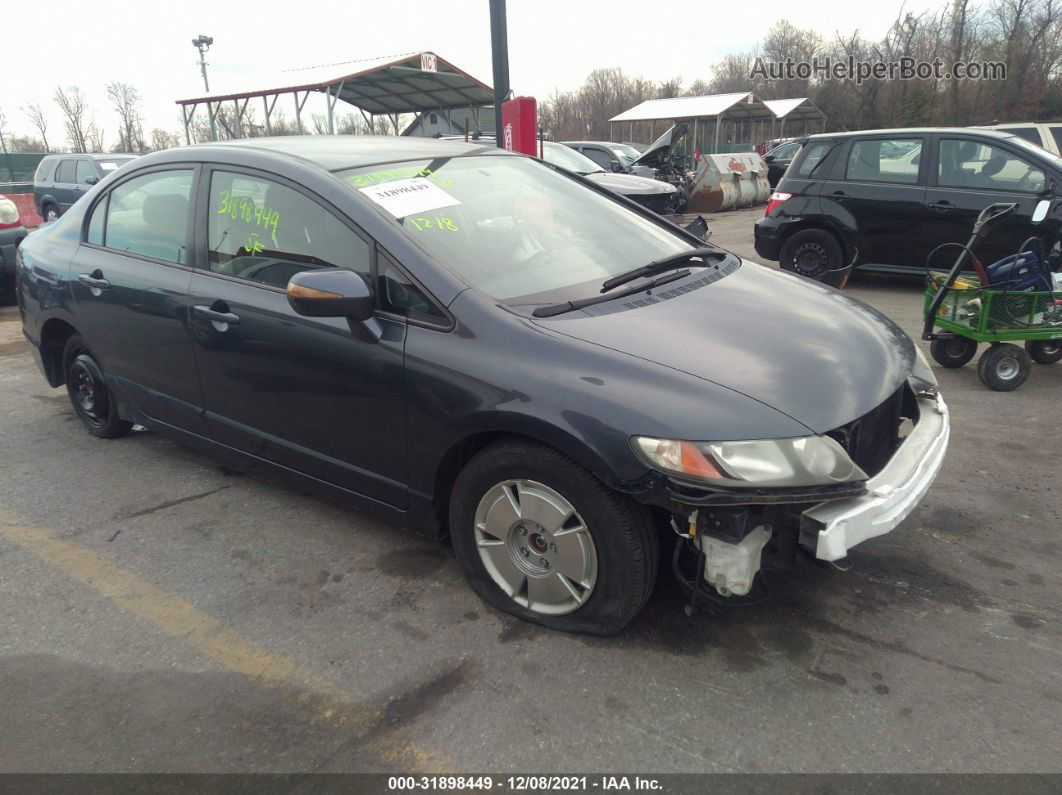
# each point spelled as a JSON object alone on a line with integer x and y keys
{"x": 472, "y": 343}
{"x": 612, "y": 156}
{"x": 60, "y": 180}
{"x": 886, "y": 199}
{"x": 12, "y": 233}
{"x": 778, "y": 160}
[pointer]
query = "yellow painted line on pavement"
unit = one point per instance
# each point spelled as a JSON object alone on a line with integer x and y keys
{"x": 180, "y": 619}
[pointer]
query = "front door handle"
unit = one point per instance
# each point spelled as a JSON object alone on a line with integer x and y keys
{"x": 941, "y": 206}
{"x": 221, "y": 320}
{"x": 94, "y": 281}
{"x": 837, "y": 194}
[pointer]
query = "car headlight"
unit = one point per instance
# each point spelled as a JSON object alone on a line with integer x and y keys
{"x": 8, "y": 212}
{"x": 762, "y": 463}
{"x": 922, "y": 379}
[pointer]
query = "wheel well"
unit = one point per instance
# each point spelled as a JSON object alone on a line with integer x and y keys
{"x": 846, "y": 248}
{"x": 452, "y": 463}
{"x": 53, "y": 339}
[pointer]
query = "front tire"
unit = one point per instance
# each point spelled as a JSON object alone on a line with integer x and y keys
{"x": 1044, "y": 351}
{"x": 952, "y": 352}
{"x": 812, "y": 253}
{"x": 1003, "y": 367}
{"x": 89, "y": 394}
{"x": 50, "y": 213}
{"x": 541, "y": 538}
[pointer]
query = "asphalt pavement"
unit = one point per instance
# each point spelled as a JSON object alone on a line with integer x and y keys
{"x": 162, "y": 612}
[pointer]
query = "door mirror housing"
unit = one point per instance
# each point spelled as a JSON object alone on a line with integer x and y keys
{"x": 1042, "y": 208}
{"x": 768, "y": 158}
{"x": 617, "y": 166}
{"x": 335, "y": 292}
{"x": 91, "y": 180}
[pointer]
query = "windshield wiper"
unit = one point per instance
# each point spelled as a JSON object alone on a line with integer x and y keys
{"x": 570, "y": 306}
{"x": 661, "y": 265}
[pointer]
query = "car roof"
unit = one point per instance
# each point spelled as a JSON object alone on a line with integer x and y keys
{"x": 911, "y": 131}
{"x": 336, "y": 152}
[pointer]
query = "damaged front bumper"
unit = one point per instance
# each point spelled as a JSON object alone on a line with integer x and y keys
{"x": 833, "y": 527}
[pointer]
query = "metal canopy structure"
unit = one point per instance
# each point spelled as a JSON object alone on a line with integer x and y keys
{"x": 410, "y": 83}
{"x": 739, "y": 120}
{"x": 798, "y": 110}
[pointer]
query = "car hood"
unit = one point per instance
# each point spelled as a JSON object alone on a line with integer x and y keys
{"x": 806, "y": 350}
{"x": 629, "y": 184}
{"x": 657, "y": 152}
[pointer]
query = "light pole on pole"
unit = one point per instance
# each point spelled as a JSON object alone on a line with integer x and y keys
{"x": 202, "y": 43}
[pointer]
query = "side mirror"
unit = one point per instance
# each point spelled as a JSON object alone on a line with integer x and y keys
{"x": 331, "y": 293}
{"x": 1042, "y": 208}
{"x": 91, "y": 180}
{"x": 617, "y": 166}
{"x": 768, "y": 158}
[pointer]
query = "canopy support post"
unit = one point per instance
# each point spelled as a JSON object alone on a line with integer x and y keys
{"x": 718, "y": 127}
{"x": 212, "y": 113}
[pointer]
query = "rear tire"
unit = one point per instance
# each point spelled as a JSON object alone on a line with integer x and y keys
{"x": 49, "y": 213}
{"x": 1044, "y": 351}
{"x": 953, "y": 352}
{"x": 508, "y": 507}
{"x": 1003, "y": 367}
{"x": 812, "y": 253}
{"x": 89, "y": 394}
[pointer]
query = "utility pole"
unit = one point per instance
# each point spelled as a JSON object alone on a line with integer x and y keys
{"x": 499, "y": 45}
{"x": 202, "y": 43}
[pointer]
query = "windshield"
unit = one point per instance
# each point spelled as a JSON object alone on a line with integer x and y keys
{"x": 512, "y": 227}
{"x": 567, "y": 158}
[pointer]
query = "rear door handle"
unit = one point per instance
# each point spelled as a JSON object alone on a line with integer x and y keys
{"x": 218, "y": 318}
{"x": 94, "y": 282}
{"x": 837, "y": 194}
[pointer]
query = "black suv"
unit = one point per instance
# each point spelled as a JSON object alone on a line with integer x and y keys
{"x": 60, "y": 180}
{"x": 884, "y": 199}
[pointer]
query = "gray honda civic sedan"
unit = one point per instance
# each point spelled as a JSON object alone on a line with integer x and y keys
{"x": 482, "y": 347}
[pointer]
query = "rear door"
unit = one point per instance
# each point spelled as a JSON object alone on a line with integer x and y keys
{"x": 877, "y": 187}
{"x": 301, "y": 392}
{"x": 130, "y": 281}
{"x": 970, "y": 173}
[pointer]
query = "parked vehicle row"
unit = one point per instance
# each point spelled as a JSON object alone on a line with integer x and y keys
{"x": 476, "y": 344}
{"x": 60, "y": 180}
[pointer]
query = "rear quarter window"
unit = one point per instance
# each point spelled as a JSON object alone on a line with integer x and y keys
{"x": 44, "y": 170}
{"x": 808, "y": 161}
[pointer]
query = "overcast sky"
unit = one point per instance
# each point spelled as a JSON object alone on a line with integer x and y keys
{"x": 552, "y": 44}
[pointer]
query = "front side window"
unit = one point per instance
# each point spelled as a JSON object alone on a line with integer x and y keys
{"x": 85, "y": 172}
{"x": 971, "y": 164}
{"x": 878, "y": 160}
{"x": 1056, "y": 133}
{"x": 66, "y": 171}
{"x": 598, "y": 156}
{"x": 512, "y": 227}
{"x": 785, "y": 151}
{"x": 266, "y": 232}
{"x": 148, "y": 215}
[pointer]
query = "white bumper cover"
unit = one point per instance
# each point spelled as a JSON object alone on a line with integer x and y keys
{"x": 891, "y": 494}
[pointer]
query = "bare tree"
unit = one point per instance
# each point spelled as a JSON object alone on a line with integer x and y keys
{"x": 161, "y": 139}
{"x": 75, "y": 110}
{"x": 126, "y": 101}
{"x": 40, "y": 121}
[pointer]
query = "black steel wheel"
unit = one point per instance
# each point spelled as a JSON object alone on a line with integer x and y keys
{"x": 1004, "y": 367}
{"x": 812, "y": 253}
{"x": 1044, "y": 351}
{"x": 952, "y": 352}
{"x": 89, "y": 394}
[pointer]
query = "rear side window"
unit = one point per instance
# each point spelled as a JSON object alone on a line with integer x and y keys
{"x": 878, "y": 160}
{"x": 44, "y": 170}
{"x": 809, "y": 160}
{"x": 970, "y": 164}
{"x": 1056, "y": 133}
{"x": 148, "y": 215}
{"x": 1030, "y": 134}
{"x": 66, "y": 171}
{"x": 266, "y": 232}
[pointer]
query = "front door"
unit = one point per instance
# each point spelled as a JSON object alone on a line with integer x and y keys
{"x": 130, "y": 283}
{"x": 297, "y": 391}
{"x": 971, "y": 174}
{"x": 878, "y": 188}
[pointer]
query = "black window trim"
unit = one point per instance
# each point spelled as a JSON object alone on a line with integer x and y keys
{"x": 921, "y": 178}
{"x": 194, "y": 167}
{"x": 934, "y": 175}
{"x": 445, "y": 324}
